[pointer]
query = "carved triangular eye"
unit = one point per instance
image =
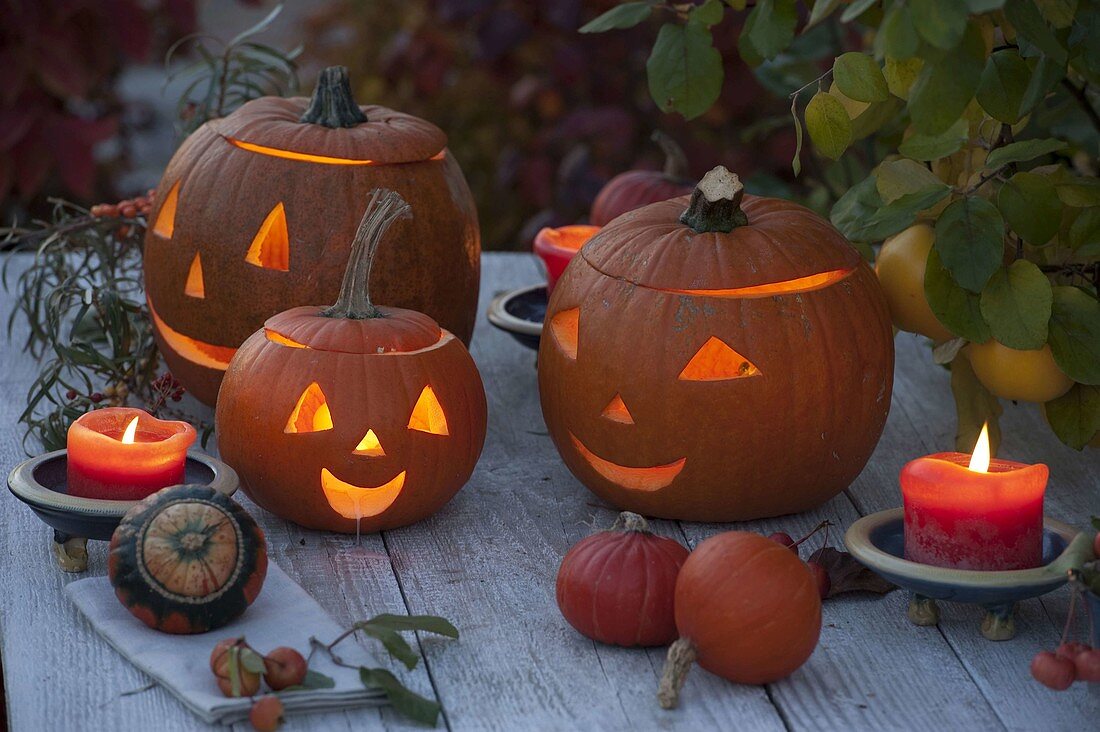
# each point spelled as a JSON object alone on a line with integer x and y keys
{"x": 270, "y": 247}
{"x": 616, "y": 411}
{"x": 166, "y": 217}
{"x": 427, "y": 415}
{"x": 369, "y": 446}
{"x": 565, "y": 326}
{"x": 311, "y": 413}
{"x": 716, "y": 361}
{"x": 194, "y": 286}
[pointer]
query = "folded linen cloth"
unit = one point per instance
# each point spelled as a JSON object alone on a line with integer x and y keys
{"x": 283, "y": 615}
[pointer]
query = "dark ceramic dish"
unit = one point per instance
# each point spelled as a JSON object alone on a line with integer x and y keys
{"x": 520, "y": 313}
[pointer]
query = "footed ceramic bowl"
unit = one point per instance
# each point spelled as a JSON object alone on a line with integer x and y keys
{"x": 520, "y": 313}
{"x": 40, "y": 482}
{"x": 877, "y": 541}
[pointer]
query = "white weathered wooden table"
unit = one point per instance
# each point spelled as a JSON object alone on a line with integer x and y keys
{"x": 487, "y": 562}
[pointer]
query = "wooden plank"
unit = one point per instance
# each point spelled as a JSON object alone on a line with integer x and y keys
{"x": 488, "y": 562}
{"x": 922, "y": 399}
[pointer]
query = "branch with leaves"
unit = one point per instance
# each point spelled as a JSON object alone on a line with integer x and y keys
{"x": 976, "y": 121}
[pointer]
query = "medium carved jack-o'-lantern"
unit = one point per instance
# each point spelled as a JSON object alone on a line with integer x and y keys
{"x": 727, "y": 362}
{"x": 256, "y": 211}
{"x": 356, "y": 417}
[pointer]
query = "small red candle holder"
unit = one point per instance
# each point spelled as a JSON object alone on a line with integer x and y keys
{"x": 556, "y": 247}
{"x": 125, "y": 454}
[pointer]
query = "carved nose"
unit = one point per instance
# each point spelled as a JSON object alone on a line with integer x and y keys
{"x": 369, "y": 446}
{"x": 616, "y": 411}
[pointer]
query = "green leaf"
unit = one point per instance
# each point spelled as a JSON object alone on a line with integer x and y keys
{"x": 945, "y": 86}
{"x": 974, "y": 407}
{"x": 252, "y": 661}
{"x": 1059, "y": 13}
{"x": 1017, "y": 304}
{"x": 955, "y": 307}
{"x": 898, "y": 34}
{"x": 895, "y": 178}
{"x": 828, "y": 124}
{"x": 1075, "y": 334}
{"x": 1029, "y": 24}
{"x": 901, "y": 75}
{"x": 822, "y": 10}
{"x": 1046, "y": 74}
{"x": 619, "y": 17}
{"x": 1031, "y": 207}
{"x": 856, "y": 9}
{"x": 977, "y": 7}
{"x": 878, "y": 221}
{"x": 796, "y": 162}
{"x": 940, "y": 22}
{"x": 405, "y": 701}
{"x": 875, "y": 117}
{"x": 856, "y": 205}
{"x": 1079, "y": 192}
{"x": 1017, "y": 152}
{"x": 1085, "y": 231}
{"x": 394, "y": 643}
{"x": 1004, "y": 81}
{"x": 1075, "y": 416}
{"x": 860, "y": 78}
{"x": 934, "y": 147}
{"x": 769, "y": 28}
{"x": 709, "y": 13}
{"x": 313, "y": 680}
{"x": 684, "y": 69}
{"x": 970, "y": 241}
{"x": 426, "y": 623}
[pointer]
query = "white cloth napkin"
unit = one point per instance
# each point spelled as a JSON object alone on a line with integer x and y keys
{"x": 283, "y": 615}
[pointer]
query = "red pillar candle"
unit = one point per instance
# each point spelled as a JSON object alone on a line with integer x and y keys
{"x": 125, "y": 454}
{"x": 557, "y": 246}
{"x": 971, "y": 512}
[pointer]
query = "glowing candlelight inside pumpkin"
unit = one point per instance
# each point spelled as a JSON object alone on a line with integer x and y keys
{"x": 556, "y": 247}
{"x": 123, "y": 453}
{"x": 973, "y": 511}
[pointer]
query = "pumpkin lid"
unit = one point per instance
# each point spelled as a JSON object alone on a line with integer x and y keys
{"x": 355, "y": 324}
{"x": 720, "y": 242}
{"x": 331, "y": 125}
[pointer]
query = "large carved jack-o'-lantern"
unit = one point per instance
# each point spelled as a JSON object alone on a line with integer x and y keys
{"x": 726, "y": 362}
{"x": 256, "y": 211}
{"x": 356, "y": 417}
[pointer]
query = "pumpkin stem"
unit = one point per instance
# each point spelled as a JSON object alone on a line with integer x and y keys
{"x": 385, "y": 207}
{"x": 332, "y": 104}
{"x": 716, "y": 203}
{"x": 681, "y": 656}
{"x": 630, "y": 521}
{"x": 676, "y": 164}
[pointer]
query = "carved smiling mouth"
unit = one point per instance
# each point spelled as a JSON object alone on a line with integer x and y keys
{"x": 356, "y": 502}
{"x": 194, "y": 350}
{"x": 648, "y": 479}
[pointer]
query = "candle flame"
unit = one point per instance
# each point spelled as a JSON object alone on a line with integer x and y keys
{"x": 131, "y": 432}
{"x": 979, "y": 461}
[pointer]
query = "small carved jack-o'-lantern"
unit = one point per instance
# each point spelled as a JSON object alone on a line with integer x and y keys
{"x": 356, "y": 417}
{"x": 727, "y": 362}
{"x": 256, "y": 210}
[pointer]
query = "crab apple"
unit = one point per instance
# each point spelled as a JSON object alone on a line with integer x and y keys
{"x": 285, "y": 667}
{"x": 1070, "y": 650}
{"x": 1053, "y": 672}
{"x": 1087, "y": 664}
{"x": 266, "y": 714}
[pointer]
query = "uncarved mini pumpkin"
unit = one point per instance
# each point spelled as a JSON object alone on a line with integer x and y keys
{"x": 256, "y": 211}
{"x": 616, "y": 586}
{"x": 716, "y": 359}
{"x": 355, "y": 417}
{"x": 636, "y": 188}
{"x": 187, "y": 559}
{"x": 747, "y": 609}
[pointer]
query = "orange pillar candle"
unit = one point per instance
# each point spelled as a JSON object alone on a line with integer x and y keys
{"x": 973, "y": 512}
{"x": 125, "y": 454}
{"x": 556, "y": 248}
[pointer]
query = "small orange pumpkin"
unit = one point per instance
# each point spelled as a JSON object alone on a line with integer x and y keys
{"x": 636, "y": 188}
{"x": 747, "y": 609}
{"x": 723, "y": 358}
{"x": 355, "y": 417}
